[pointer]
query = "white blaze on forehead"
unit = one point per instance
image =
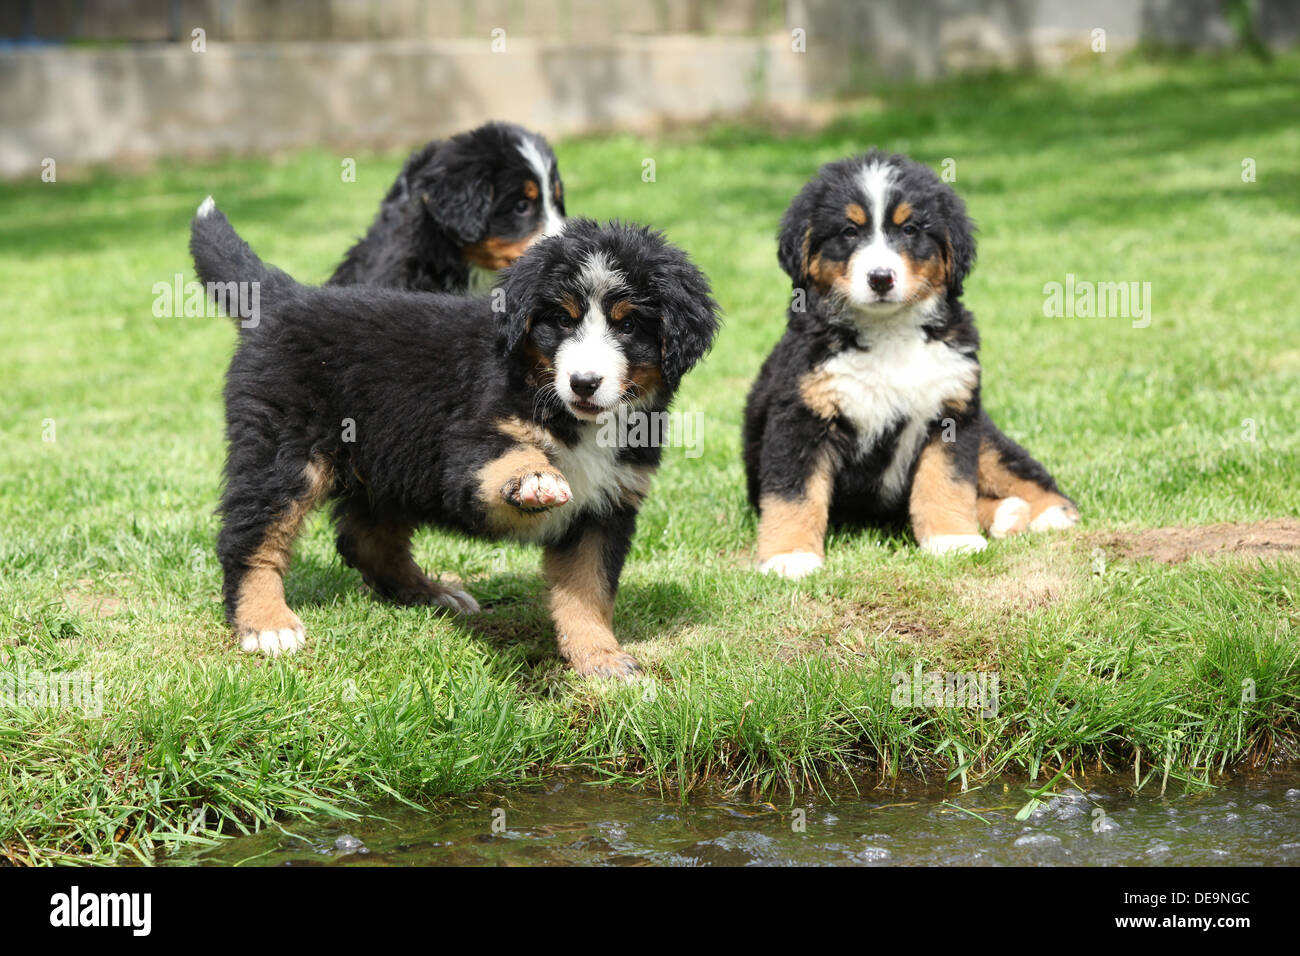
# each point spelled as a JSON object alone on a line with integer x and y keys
{"x": 600, "y": 278}
{"x": 877, "y": 182}
{"x": 552, "y": 221}
{"x": 593, "y": 348}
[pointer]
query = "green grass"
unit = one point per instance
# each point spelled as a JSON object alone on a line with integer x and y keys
{"x": 1125, "y": 173}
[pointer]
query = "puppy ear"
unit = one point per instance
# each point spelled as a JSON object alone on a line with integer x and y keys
{"x": 517, "y": 293}
{"x": 959, "y": 244}
{"x": 796, "y": 231}
{"x": 457, "y": 194}
{"x": 689, "y": 320}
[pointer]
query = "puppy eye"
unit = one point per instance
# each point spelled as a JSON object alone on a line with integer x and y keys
{"x": 625, "y": 326}
{"x": 849, "y": 232}
{"x": 909, "y": 229}
{"x": 523, "y": 206}
{"x": 565, "y": 321}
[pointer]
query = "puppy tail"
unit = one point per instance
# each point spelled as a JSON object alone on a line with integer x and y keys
{"x": 234, "y": 275}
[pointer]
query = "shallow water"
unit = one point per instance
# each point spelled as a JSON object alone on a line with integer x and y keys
{"x": 1248, "y": 821}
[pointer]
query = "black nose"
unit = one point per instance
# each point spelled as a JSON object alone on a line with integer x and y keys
{"x": 880, "y": 280}
{"x": 585, "y": 384}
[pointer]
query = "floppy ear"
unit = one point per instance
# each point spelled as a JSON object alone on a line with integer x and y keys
{"x": 792, "y": 243}
{"x": 457, "y": 194}
{"x": 689, "y": 320}
{"x": 518, "y": 287}
{"x": 959, "y": 244}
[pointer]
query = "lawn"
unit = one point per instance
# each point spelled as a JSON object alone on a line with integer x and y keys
{"x": 1108, "y": 657}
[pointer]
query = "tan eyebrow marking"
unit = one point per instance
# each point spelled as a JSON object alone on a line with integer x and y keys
{"x": 621, "y": 308}
{"x": 571, "y": 306}
{"x": 531, "y": 189}
{"x": 856, "y": 213}
{"x": 902, "y": 212}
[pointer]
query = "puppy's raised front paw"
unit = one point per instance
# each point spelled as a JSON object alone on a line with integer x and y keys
{"x": 537, "y": 490}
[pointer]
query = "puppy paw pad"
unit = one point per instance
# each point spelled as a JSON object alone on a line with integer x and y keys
{"x": 794, "y": 565}
{"x": 541, "y": 489}
{"x": 954, "y": 544}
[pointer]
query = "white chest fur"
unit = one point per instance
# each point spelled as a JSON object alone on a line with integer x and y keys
{"x": 898, "y": 376}
{"x": 598, "y": 481}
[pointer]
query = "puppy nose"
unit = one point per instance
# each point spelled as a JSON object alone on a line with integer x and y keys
{"x": 585, "y": 384}
{"x": 880, "y": 280}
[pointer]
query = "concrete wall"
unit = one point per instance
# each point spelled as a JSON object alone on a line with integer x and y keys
{"x": 81, "y": 106}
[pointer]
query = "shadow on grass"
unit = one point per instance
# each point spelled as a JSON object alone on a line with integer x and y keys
{"x": 514, "y": 618}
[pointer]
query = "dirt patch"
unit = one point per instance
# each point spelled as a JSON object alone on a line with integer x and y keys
{"x": 83, "y": 599}
{"x": 1035, "y": 580}
{"x": 1278, "y": 537}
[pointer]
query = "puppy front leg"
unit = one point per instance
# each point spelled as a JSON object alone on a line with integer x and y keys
{"x": 582, "y": 575}
{"x": 943, "y": 502}
{"x": 518, "y": 488}
{"x": 796, "y": 480}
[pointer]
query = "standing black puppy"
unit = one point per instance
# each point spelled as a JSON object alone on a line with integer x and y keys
{"x": 868, "y": 409}
{"x": 407, "y": 409}
{"x": 460, "y": 210}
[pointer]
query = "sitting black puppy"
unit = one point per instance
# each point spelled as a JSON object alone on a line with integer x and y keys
{"x": 406, "y": 409}
{"x": 460, "y": 210}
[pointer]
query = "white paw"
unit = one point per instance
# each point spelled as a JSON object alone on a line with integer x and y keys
{"x": 795, "y": 565}
{"x": 543, "y": 490}
{"x": 286, "y": 640}
{"x": 954, "y": 544}
{"x": 1010, "y": 517}
{"x": 458, "y": 601}
{"x": 1055, "y": 518}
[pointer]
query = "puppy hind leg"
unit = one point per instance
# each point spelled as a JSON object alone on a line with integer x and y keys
{"x": 1006, "y": 471}
{"x": 381, "y": 550}
{"x": 1002, "y": 517}
{"x": 258, "y": 530}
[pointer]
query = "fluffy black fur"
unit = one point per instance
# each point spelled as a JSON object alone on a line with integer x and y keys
{"x": 451, "y": 197}
{"x": 860, "y": 385}
{"x": 404, "y": 409}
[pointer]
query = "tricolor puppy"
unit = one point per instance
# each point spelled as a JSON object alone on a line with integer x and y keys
{"x": 460, "y": 210}
{"x": 868, "y": 409}
{"x": 406, "y": 409}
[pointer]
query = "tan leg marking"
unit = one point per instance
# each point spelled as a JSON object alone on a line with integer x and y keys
{"x": 582, "y": 607}
{"x": 519, "y": 487}
{"x": 943, "y": 506}
{"x": 263, "y": 621}
{"x": 792, "y": 532}
{"x": 382, "y": 553}
{"x": 997, "y": 481}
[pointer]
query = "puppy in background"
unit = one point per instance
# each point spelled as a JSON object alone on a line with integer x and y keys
{"x": 484, "y": 423}
{"x": 868, "y": 409}
{"x": 460, "y": 210}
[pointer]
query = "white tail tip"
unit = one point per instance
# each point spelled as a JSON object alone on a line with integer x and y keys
{"x": 206, "y": 207}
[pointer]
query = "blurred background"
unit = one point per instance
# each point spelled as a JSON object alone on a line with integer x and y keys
{"x": 106, "y": 81}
